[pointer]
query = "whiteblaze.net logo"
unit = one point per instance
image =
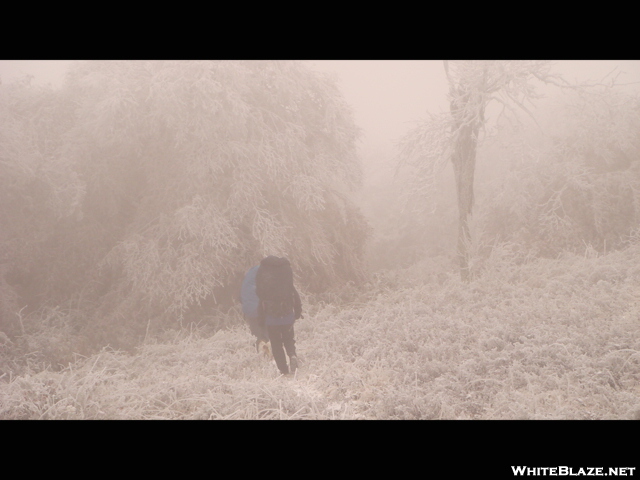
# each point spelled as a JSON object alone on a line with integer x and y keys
{"x": 573, "y": 472}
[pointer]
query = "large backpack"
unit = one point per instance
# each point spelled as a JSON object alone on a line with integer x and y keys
{"x": 274, "y": 286}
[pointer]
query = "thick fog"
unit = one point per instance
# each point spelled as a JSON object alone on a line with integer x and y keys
{"x": 387, "y": 96}
{"x": 463, "y": 238}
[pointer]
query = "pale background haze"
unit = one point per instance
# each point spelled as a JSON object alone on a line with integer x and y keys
{"x": 387, "y": 96}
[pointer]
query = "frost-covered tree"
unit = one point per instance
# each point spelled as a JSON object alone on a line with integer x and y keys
{"x": 577, "y": 188}
{"x": 143, "y": 184}
{"x": 454, "y": 136}
{"x": 39, "y": 190}
{"x": 197, "y": 169}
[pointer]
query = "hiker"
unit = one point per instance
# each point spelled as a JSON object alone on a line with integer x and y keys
{"x": 249, "y": 301}
{"x": 280, "y": 307}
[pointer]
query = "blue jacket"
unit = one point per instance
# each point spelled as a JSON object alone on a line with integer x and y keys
{"x": 248, "y": 296}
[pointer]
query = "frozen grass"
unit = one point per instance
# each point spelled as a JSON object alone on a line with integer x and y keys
{"x": 549, "y": 339}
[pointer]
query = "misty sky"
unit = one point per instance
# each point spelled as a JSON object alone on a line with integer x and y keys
{"x": 387, "y": 96}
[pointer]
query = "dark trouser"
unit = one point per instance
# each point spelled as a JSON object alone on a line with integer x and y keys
{"x": 282, "y": 336}
{"x": 258, "y": 328}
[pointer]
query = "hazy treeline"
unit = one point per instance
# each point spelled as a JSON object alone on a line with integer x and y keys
{"x": 564, "y": 178}
{"x": 143, "y": 190}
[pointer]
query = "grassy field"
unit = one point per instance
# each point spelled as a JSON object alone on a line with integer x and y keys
{"x": 547, "y": 339}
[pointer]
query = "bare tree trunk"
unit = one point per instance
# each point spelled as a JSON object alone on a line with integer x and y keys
{"x": 471, "y": 86}
{"x": 464, "y": 159}
{"x": 467, "y": 111}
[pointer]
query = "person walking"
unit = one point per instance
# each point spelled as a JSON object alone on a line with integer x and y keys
{"x": 280, "y": 306}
